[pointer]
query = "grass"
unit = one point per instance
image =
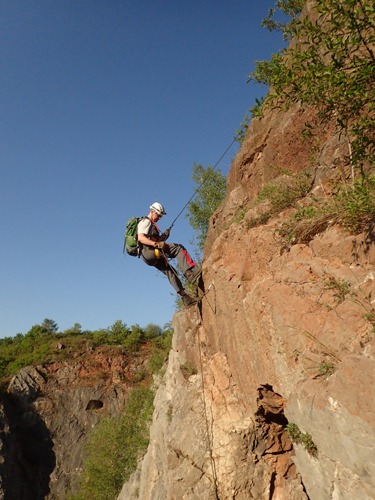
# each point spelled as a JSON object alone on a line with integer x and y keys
{"x": 357, "y": 204}
{"x": 258, "y": 221}
{"x": 280, "y": 194}
{"x": 188, "y": 369}
{"x": 303, "y": 230}
{"x": 286, "y": 192}
{"x": 340, "y": 288}
{"x": 303, "y": 438}
{"x": 326, "y": 369}
{"x": 353, "y": 207}
{"x": 370, "y": 317}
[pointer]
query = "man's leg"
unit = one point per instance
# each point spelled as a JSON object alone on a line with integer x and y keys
{"x": 172, "y": 276}
{"x": 163, "y": 266}
{"x": 179, "y": 252}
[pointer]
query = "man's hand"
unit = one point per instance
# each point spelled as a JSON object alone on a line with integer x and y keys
{"x": 165, "y": 235}
{"x": 160, "y": 245}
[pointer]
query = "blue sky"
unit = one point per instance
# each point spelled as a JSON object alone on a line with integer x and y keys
{"x": 105, "y": 108}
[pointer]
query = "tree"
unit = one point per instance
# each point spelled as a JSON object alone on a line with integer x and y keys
{"x": 134, "y": 338}
{"x": 49, "y": 326}
{"x": 35, "y": 331}
{"x": 119, "y": 329}
{"x": 152, "y": 331}
{"x": 211, "y": 192}
{"x": 76, "y": 329}
{"x": 291, "y": 8}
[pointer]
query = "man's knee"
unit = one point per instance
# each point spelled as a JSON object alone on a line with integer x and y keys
{"x": 176, "y": 247}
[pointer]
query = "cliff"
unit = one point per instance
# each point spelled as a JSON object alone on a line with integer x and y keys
{"x": 269, "y": 392}
{"x": 48, "y": 411}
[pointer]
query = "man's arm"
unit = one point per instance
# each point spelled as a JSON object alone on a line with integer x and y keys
{"x": 142, "y": 238}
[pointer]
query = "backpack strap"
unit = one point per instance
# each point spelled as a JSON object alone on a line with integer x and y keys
{"x": 140, "y": 245}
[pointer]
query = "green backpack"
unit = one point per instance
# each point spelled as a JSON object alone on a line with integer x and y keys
{"x": 131, "y": 240}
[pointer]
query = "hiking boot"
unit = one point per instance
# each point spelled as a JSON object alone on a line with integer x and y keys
{"x": 188, "y": 300}
{"x": 193, "y": 274}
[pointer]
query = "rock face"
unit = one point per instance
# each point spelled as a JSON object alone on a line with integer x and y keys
{"x": 46, "y": 416}
{"x": 284, "y": 339}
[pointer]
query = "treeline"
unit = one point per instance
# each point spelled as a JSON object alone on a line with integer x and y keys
{"x": 43, "y": 342}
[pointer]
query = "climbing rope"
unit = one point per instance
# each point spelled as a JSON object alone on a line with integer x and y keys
{"x": 209, "y": 441}
{"x": 204, "y": 181}
{"x": 204, "y": 296}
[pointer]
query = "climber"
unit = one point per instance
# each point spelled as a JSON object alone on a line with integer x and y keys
{"x": 155, "y": 252}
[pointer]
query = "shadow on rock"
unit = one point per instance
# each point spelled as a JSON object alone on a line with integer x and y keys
{"x": 27, "y": 452}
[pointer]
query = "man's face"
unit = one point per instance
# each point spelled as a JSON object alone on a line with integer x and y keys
{"x": 155, "y": 216}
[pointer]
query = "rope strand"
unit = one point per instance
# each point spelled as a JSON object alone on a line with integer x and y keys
{"x": 204, "y": 181}
{"x": 209, "y": 441}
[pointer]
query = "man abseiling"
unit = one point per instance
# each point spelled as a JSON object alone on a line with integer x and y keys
{"x": 155, "y": 252}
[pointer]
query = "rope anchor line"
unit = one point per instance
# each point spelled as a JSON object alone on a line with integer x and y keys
{"x": 204, "y": 181}
{"x": 204, "y": 295}
{"x": 208, "y": 430}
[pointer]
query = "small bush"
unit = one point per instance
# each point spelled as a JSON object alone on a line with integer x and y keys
{"x": 285, "y": 194}
{"x": 340, "y": 288}
{"x": 293, "y": 431}
{"x": 309, "y": 444}
{"x": 326, "y": 369}
{"x": 370, "y": 317}
{"x": 239, "y": 215}
{"x": 356, "y": 205}
{"x": 352, "y": 207}
{"x": 299, "y": 437}
{"x": 306, "y": 213}
{"x": 188, "y": 369}
{"x": 160, "y": 350}
{"x": 140, "y": 374}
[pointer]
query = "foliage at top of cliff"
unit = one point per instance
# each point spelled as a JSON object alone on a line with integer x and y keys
{"x": 329, "y": 65}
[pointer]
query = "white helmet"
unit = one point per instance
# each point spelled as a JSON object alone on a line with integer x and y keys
{"x": 158, "y": 208}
